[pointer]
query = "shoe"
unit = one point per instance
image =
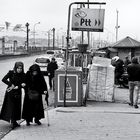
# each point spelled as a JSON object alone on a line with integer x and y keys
{"x": 27, "y": 123}
{"x": 18, "y": 125}
{"x": 38, "y": 122}
{"x": 14, "y": 125}
{"x": 136, "y": 106}
{"x": 131, "y": 104}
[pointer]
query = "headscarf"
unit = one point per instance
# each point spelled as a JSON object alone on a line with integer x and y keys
{"x": 135, "y": 60}
{"x": 53, "y": 58}
{"x": 34, "y": 67}
{"x": 34, "y": 81}
{"x": 19, "y": 64}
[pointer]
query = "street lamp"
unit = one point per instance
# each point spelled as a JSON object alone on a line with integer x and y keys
{"x": 117, "y": 26}
{"x": 34, "y": 32}
{"x": 53, "y": 38}
{"x": 60, "y": 37}
{"x": 27, "y": 39}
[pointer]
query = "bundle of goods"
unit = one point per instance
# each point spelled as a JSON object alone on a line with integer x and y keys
{"x": 101, "y": 80}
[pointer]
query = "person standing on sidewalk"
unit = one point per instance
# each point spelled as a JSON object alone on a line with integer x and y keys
{"x": 11, "y": 108}
{"x": 52, "y": 66}
{"x": 34, "y": 108}
{"x": 119, "y": 70}
{"x": 133, "y": 71}
{"x": 126, "y": 62}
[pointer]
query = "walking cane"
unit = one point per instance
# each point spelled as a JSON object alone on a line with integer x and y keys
{"x": 47, "y": 103}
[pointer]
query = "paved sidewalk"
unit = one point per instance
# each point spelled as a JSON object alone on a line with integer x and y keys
{"x": 97, "y": 121}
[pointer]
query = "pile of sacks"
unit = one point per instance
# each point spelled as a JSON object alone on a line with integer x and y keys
{"x": 101, "y": 80}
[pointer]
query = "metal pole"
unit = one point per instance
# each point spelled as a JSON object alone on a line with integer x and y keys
{"x": 88, "y": 33}
{"x": 34, "y": 33}
{"x": 3, "y": 45}
{"x": 82, "y": 32}
{"x": 53, "y": 38}
{"x": 48, "y": 39}
{"x": 117, "y": 26}
{"x": 62, "y": 41}
{"x": 66, "y": 53}
{"x": 27, "y": 39}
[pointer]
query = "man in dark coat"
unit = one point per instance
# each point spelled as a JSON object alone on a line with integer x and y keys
{"x": 119, "y": 69}
{"x": 126, "y": 62}
{"x": 133, "y": 71}
{"x": 11, "y": 108}
{"x": 52, "y": 66}
{"x": 34, "y": 109}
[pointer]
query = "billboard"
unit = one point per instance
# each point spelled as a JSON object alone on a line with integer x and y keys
{"x": 88, "y": 19}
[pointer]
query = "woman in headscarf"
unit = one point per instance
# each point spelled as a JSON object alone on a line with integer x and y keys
{"x": 34, "y": 108}
{"x": 11, "y": 108}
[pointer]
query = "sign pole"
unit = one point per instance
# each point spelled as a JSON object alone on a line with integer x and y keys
{"x": 66, "y": 54}
{"x": 68, "y": 44}
{"x": 27, "y": 38}
{"x": 88, "y": 33}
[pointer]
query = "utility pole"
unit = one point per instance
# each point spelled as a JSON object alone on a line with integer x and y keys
{"x": 82, "y": 32}
{"x": 53, "y": 38}
{"x": 88, "y": 33}
{"x": 49, "y": 39}
{"x": 62, "y": 41}
{"x": 3, "y": 45}
{"x": 27, "y": 38}
{"x": 117, "y": 26}
{"x": 35, "y": 33}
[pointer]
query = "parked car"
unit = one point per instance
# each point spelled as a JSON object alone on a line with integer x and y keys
{"x": 50, "y": 52}
{"x": 43, "y": 63}
{"x": 54, "y": 53}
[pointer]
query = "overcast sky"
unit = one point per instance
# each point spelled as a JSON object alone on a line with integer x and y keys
{"x": 54, "y": 13}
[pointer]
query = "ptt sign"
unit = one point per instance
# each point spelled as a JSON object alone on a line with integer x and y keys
{"x": 88, "y": 20}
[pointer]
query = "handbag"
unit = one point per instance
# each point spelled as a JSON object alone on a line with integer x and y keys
{"x": 33, "y": 95}
{"x": 13, "y": 93}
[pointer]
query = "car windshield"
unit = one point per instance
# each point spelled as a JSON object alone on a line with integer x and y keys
{"x": 41, "y": 60}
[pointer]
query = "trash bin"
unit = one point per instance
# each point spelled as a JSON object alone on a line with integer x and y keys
{"x": 74, "y": 87}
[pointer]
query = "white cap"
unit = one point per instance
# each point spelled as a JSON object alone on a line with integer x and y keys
{"x": 115, "y": 58}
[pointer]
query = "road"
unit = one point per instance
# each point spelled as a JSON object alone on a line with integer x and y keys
{"x": 5, "y": 66}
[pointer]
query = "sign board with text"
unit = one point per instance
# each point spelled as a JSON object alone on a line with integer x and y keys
{"x": 88, "y": 20}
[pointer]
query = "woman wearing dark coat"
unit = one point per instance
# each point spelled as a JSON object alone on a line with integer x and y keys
{"x": 34, "y": 109}
{"x": 11, "y": 108}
